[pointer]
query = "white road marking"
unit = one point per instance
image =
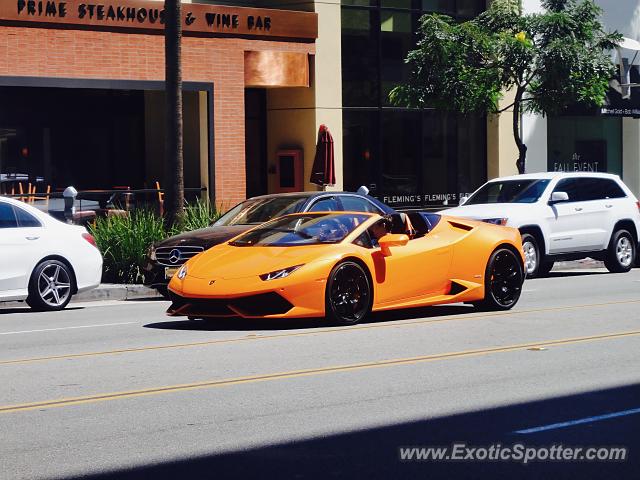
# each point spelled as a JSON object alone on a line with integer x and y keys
{"x": 67, "y": 328}
{"x": 579, "y": 421}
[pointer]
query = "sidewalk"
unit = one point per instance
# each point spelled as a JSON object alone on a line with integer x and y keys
{"x": 114, "y": 291}
{"x": 586, "y": 263}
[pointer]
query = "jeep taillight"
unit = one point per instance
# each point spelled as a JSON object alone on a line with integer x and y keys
{"x": 638, "y": 205}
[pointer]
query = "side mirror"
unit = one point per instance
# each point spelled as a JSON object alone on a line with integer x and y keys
{"x": 392, "y": 240}
{"x": 559, "y": 197}
{"x": 363, "y": 190}
{"x": 463, "y": 199}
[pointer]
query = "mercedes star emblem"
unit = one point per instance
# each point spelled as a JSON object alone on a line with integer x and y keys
{"x": 174, "y": 255}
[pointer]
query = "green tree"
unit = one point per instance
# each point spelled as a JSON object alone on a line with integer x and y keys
{"x": 174, "y": 176}
{"x": 549, "y": 61}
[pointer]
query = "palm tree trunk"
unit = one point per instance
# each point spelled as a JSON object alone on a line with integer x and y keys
{"x": 174, "y": 172}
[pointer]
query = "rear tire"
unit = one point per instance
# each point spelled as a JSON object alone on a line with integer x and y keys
{"x": 503, "y": 281}
{"x": 348, "y": 296}
{"x": 621, "y": 252}
{"x": 545, "y": 268}
{"x": 50, "y": 286}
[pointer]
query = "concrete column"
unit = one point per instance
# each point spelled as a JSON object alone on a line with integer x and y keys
{"x": 631, "y": 154}
{"x": 294, "y": 115}
{"x": 328, "y": 79}
{"x": 534, "y": 135}
{"x": 502, "y": 151}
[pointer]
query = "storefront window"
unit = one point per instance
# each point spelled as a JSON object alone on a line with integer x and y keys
{"x": 400, "y": 154}
{"x": 91, "y": 139}
{"x": 360, "y": 149}
{"x": 581, "y": 143}
{"x": 406, "y": 157}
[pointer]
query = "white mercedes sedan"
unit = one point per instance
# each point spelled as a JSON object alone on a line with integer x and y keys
{"x": 43, "y": 260}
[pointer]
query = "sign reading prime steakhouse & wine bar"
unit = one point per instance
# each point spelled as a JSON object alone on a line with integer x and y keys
{"x": 142, "y": 15}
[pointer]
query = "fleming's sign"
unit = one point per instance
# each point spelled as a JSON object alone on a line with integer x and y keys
{"x": 198, "y": 19}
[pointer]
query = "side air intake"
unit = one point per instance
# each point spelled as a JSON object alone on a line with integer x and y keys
{"x": 456, "y": 288}
{"x": 461, "y": 226}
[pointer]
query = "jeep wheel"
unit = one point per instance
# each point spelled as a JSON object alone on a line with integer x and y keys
{"x": 532, "y": 257}
{"x": 621, "y": 252}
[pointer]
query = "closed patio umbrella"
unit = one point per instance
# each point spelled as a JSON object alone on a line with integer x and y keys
{"x": 323, "y": 171}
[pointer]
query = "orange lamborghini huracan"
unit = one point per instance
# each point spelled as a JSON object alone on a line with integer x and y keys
{"x": 343, "y": 265}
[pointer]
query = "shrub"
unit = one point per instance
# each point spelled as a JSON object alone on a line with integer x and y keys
{"x": 199, "y": 214}
{"x": 124, "y": 240}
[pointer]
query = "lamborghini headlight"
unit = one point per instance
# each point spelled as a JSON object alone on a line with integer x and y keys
{"x": 182, "y": 272}
{"x": 285, "y": 272}
{"x": 496, "y": 221}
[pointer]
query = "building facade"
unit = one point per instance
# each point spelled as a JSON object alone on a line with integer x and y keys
{"x": 81, "y": 93}
{"x": 82, "y": 104}
{"x": 606, "y": 139}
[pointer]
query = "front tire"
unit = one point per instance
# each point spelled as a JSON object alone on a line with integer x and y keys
{"x": 503, "y": 281}
{"x": 348, "y": 296}
{"x": 621, "y": 252}
{"x": 50, "y": 286}
{"x": 164, "y": 291}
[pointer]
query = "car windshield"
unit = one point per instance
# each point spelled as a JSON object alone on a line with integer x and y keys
{"x": 259, "y": 210}
{"x": 509, "y": 191}
{"x": 308, "y": 229}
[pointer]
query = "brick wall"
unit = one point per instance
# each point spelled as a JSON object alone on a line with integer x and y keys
{"x": 41, "y": 52}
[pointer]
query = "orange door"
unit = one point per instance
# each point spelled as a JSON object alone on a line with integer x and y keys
{"x": 420, "y": 268}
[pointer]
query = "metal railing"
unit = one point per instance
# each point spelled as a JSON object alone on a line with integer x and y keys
{"x": 68, "y": 203}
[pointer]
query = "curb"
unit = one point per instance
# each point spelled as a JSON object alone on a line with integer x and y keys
{"x": 587, "y": 263}
{"x": 112, "y": 291}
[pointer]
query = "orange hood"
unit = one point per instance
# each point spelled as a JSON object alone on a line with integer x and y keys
{"x": 229, "y": 262}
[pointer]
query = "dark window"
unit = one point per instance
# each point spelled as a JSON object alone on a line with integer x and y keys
{"x": 361, "y": 146}
{"x": 400, "y": 153}
{"x": 572, "y": 187}
{"x": 357, "y": 204}
{"x": 396, "y": 39}
{"x": 325, "y": 205}
{"x": 378, "y": 230}
{"x": 585, "y": 189}
{"x": 363, "y": 240}
{"x": 609, "y": 189}
{"x": 359, "y": 3}
{"x": 447, "y": 7}
{"x": 509, "y": 191}
{"x": 287, "y": 171}
{"x": 254, "y": 211}
{"x": 7, "y": 216}
{"x": 26, "y": 219}
{"x": 359, "y": 57}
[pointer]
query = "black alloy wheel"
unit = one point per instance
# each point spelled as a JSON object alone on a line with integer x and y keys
{"x": 348, "y": 294}
{"x": 503, "y": 280}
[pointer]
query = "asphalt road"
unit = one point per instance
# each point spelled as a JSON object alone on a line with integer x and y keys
{"x": 119, "y": 390}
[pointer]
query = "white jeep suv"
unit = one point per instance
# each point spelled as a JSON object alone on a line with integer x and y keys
{"x": 562, "y": 216}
